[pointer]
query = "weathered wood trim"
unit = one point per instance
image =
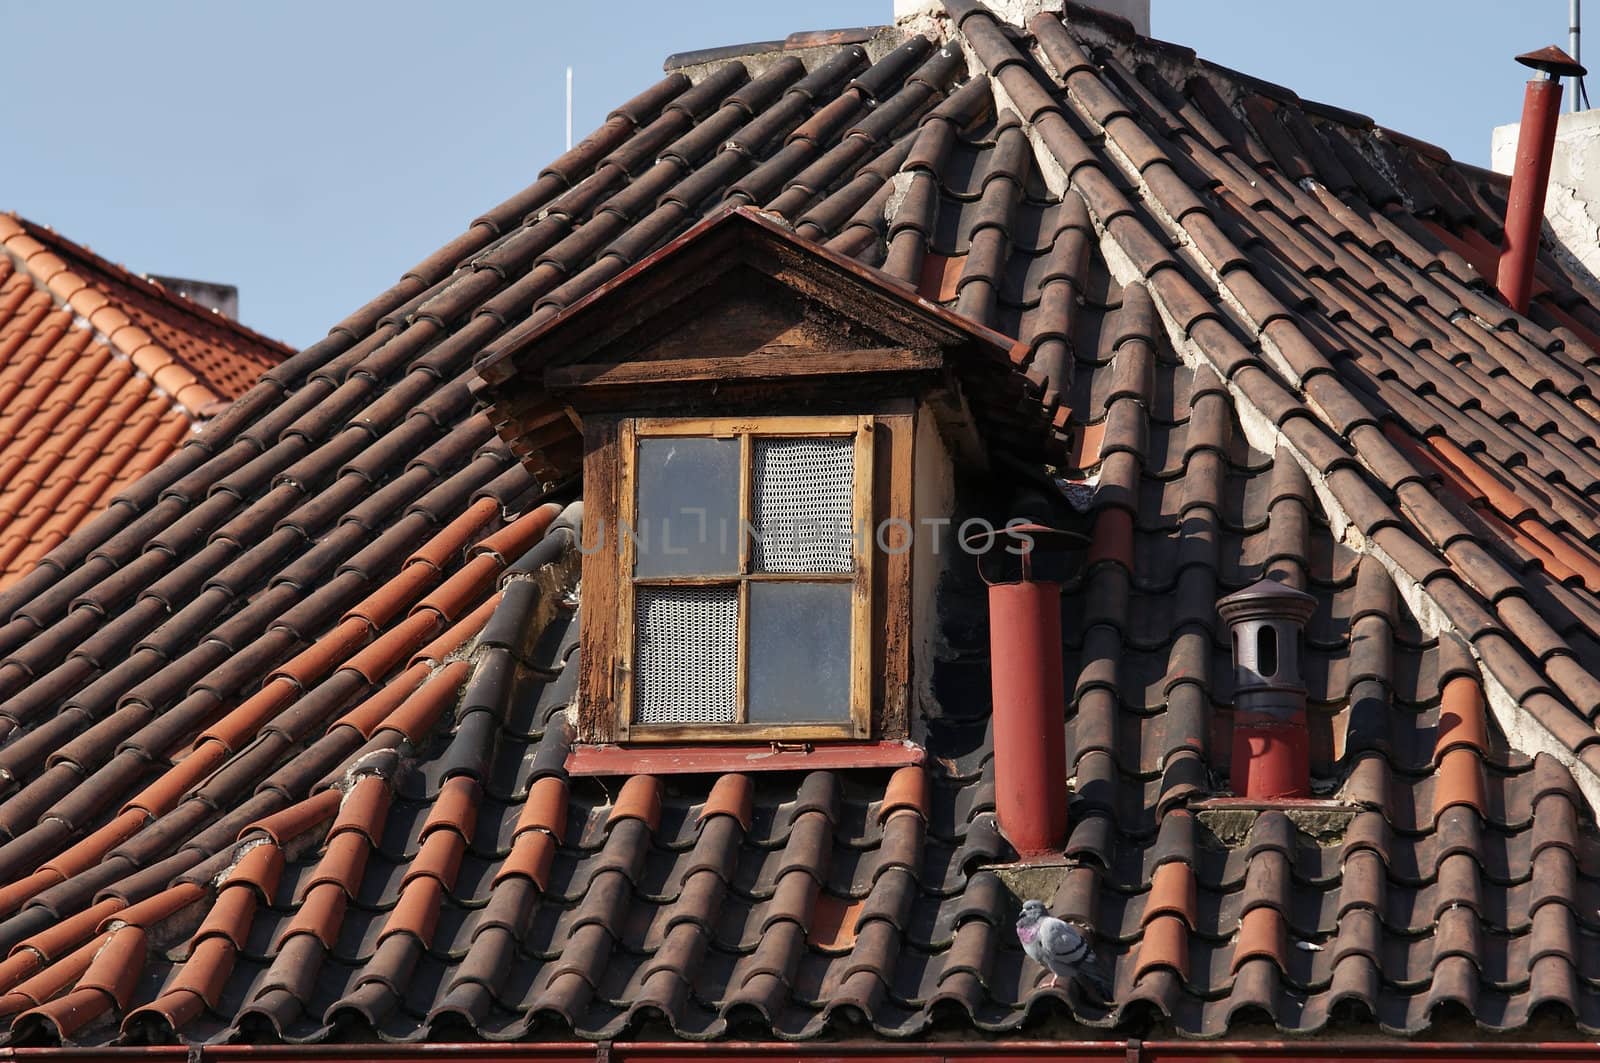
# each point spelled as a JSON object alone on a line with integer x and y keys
{"x": 602, "y": 585}
{"x": 764, "y": 364}
{"x": 892, "y": 600}
{"x": 880, "y": 581}
{"x": 802, "y": 425}
{"x": 623, "y": 551}
{"x": 861, "y": 640}
{"x": 748, "y": 577}
{"x": 701, "y": 732}
{"x": 741, "y": 692}
{"x": 724, "y": 754}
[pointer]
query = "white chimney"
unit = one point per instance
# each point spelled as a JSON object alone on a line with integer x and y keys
{"x": 1018, "y": 12}
{"x": 1572, "y": 203}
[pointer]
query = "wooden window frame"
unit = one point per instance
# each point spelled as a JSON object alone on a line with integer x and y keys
{"x": 607, "y": 627}
{"x": 747, "y": 430}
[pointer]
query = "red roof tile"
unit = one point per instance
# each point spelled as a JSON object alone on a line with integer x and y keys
{"x": 1234, "y": 300}
{"x": 102, "y": 375}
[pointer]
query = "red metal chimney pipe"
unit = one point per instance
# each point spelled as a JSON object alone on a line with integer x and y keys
{"x": 1536, "y": 141}
{"x": 1030, "y": 737}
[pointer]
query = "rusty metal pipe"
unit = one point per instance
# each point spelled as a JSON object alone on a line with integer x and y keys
{"x": 1536, "y": 144}
{"x": 1536, "y": 141}
{"x": 1030, "y": 741}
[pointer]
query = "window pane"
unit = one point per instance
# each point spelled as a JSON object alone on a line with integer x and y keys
{"x": 803, "y": 504}
{"x": 686, "y": 654}
{"x": 799, "y": 652}
{"x": 688, "y": 507}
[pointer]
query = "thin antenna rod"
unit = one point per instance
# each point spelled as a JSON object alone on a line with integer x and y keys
{"x": 1574, "y": 22}
{"x": 569, "y": 104}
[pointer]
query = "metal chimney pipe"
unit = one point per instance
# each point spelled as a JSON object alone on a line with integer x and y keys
{"x": 1271, "y": 755}
{"x": 1536, "y": 141}
{"x": 1030, "y": 738}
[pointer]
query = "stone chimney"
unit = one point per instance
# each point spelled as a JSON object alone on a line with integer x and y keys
{"x": 1018, "y": 12}
{"x": 1572, "y": 199}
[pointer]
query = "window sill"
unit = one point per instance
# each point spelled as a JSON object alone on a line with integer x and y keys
{"x": 740, "y": 757}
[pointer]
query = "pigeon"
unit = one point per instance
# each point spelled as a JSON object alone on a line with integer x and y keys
{"x": 1059, "y": 948}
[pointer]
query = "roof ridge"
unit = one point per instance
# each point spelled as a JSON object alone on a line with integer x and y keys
{"x": 46, "y": 234}
{"x": 29, "y": 244}
{"x": 794, "y": 42}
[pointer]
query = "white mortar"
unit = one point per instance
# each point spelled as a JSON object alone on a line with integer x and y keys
{"x": 1018, "y": 12}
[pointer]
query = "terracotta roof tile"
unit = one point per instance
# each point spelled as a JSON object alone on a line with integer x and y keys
{"x": 367, "y": 716}
{"x": 152, "y": 910}
{"x": 418, "y": 715}
{"x": 730, "y": 796}
{"x": 467, "y": 887}
{"x": 320, "y": 914}
{"x": 117, "y": 964}
{"x": 363, "y": 810}
{"x": 54, "y": 978}
{"x": 301, "y": 817}
{"x": 531, "y": 857}
{"x": 458, "y": 633}
{"x": 908, "y": 789}
{"x": 66, "y": 398}
{"x": 228, "y": 917}
{"x": 343, "y": 862}
{"x": 545, "y": 808}
{"x": 259, "y": 869}
{"x": 640, "y": 799}
{"x": 390, "y": 649}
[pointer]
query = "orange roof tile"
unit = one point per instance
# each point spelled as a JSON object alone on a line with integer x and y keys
{"x": 102, "y": 375}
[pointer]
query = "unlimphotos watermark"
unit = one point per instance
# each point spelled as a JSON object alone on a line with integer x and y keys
{"x": 693, "y": 530}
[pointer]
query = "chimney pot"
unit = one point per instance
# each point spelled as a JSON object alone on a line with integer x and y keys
{"x": 1271, "y": 746}
{"x": 1029, "y": 699}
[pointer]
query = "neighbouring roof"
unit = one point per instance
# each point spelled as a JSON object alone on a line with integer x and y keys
{"x": 102, "y": 375}
{"x": 284, "y": 726}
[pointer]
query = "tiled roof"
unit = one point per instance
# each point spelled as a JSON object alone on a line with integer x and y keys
{"x": 102, "y": 375}
{"x": 285, "y": 739}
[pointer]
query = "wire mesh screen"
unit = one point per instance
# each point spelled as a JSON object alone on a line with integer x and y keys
{"x": 802, "y": 506}
{"x": 686, "y": 654}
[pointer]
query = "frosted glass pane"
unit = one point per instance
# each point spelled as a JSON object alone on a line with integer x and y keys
{"x": 688, "y": 507}
{"x": 799, "y": 652}
{"x": 686, "y": 657}
{"x": 803, "y": 504}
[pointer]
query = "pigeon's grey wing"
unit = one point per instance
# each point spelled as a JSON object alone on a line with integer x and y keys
{"x": 1063, "y": 947}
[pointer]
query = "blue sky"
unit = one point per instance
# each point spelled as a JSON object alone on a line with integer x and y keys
{"x": 310, "y": 152}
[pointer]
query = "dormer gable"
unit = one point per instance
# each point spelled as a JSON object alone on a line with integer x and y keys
{"x": 769, "y": 431}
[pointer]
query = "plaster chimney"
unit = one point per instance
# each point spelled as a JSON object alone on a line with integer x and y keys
{"x": 1271, "y": 746}
{"x": 1530, "y": 150}
{"x": 1018, "y": 12}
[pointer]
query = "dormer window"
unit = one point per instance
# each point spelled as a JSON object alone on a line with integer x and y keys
{"x": 748, "y": 547}
{"x": 760, "y": 562}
